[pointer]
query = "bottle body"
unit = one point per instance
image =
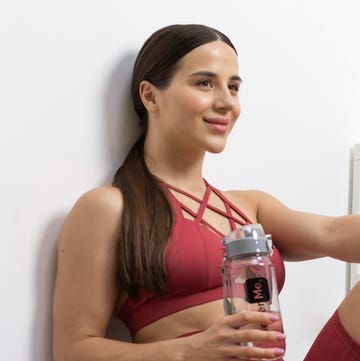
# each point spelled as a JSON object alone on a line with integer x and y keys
{"x": 250, "y": 285}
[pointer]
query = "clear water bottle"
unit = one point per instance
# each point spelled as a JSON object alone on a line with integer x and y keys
{"x": 249, "y": 278}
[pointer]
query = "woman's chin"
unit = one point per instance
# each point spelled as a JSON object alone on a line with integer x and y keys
{"x": 216, "y": 148}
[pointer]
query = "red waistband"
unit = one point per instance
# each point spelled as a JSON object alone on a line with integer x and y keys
{"x": 136, "y": 315}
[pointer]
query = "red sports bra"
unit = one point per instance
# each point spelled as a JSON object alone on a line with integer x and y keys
{"x": 193, "y": 255}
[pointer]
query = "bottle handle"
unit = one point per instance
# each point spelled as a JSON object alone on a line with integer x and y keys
{"x": 270, "y": 244}
{"x": 228, "y": 306}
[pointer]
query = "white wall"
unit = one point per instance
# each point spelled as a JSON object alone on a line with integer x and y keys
{"x": 65, "y": 122}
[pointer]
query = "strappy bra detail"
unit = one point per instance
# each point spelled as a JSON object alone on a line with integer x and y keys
{"x": 241, "y": 218}
{"x": 193, "y": 259}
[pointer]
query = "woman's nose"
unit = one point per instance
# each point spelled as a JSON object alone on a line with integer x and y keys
{"x": 224, "y": 100}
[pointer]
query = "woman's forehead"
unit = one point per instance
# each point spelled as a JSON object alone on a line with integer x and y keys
{"x": 216, "y": 56}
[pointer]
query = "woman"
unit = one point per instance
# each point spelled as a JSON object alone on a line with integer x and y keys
{"x": 147, "y": 248}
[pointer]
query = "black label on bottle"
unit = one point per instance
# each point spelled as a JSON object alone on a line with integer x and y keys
{"x": 257, "y": 290}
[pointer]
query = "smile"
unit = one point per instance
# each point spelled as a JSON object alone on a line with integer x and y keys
{"x": 218, "y": 124}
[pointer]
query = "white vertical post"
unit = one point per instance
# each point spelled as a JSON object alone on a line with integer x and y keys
{"x": 354, "y": 268}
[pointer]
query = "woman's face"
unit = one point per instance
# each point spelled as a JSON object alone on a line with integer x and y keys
{"x": 200, "y": 106}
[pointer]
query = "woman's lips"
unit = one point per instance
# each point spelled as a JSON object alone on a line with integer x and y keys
{"x": 219, "y": 124}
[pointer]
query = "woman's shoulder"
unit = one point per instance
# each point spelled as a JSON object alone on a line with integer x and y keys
{"x": 95, "y": 216}
{"x": 249, "y": 201}
{"x": 251, "y": 196}
{"x": 105, "y": 198}
{"x": 258, "y": 201}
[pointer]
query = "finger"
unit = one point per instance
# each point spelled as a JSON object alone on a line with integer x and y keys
{"x": 241, "y": 319}
{"x": 266, "y": 338}
{"x": 249, "y": 352}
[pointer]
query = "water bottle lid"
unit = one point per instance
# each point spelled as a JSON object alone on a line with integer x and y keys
{"x": 247, "y": 240}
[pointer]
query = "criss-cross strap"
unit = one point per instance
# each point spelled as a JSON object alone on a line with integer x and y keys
{"x": 240, "y": 218}
{"x": 230, "y": 207}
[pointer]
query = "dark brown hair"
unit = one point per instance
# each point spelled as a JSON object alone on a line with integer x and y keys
{"x": 147, "y": 219}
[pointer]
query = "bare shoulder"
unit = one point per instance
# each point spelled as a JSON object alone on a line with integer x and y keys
{"x": 108, "y": 198}
{"x": 252, "y": 196}
{"x": 95, "y": 217}
{"x": 250, "y": 201}
{"x": 242, "y": 195}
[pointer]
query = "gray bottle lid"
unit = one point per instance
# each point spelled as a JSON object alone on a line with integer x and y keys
{"x": 249, "y": 240}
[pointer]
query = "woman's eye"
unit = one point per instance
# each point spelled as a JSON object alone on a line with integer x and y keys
{"x": 205, "y": 83}
{"x": 234, "y": 87}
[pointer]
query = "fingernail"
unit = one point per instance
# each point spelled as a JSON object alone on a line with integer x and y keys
{"x": 274, "y": 318}
{"x": 280, "y": 336}
{"x": 279, "y": 352}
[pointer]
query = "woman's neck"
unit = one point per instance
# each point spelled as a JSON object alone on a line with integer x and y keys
{"x": 180, "y": 169}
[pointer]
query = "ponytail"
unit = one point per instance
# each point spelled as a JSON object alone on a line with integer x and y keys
{"x": 147, "y": 222}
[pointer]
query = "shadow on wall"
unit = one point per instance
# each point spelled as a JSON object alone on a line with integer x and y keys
{"x": 44, "y": 285}
{"x": 121, "y": 131}
{"x": 122, "y": 124}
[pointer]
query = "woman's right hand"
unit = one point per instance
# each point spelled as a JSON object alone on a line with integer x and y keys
{"x": 223, "y": 340}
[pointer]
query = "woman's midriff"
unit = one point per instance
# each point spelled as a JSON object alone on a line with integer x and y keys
{"x": 182, "y": 323}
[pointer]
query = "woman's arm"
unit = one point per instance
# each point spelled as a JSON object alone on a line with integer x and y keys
{"x": 86, "y": 292}
{"x": 302, "y": 236}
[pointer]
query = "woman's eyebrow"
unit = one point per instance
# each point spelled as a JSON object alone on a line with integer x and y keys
{"x": 210, "y": 74}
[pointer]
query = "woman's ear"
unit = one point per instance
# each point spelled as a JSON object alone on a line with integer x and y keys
{"x": 147, "y": 92}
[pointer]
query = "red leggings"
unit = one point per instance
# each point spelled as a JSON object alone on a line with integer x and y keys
{"x": 334, "y": 344}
